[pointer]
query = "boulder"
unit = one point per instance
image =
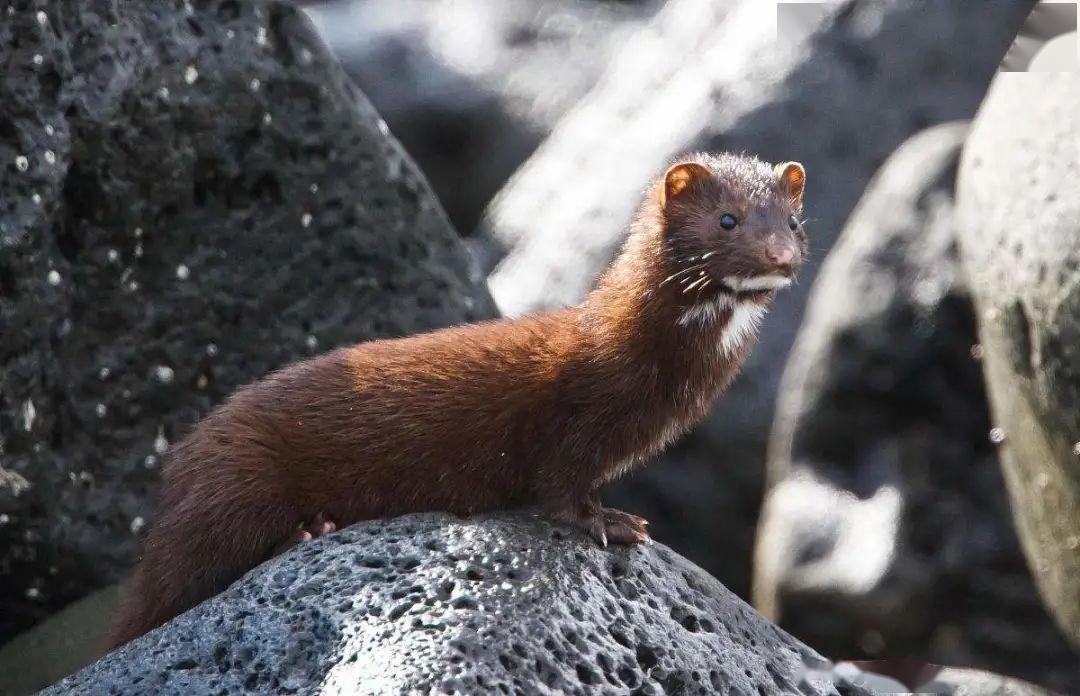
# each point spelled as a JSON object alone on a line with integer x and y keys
{"x": 472, "y": 87}
{"x": 191, "y": 195}
{"x": 886, "y": 529}
{"x": 504, "y": 603}
{"x": 710, "y": 75}
{"x": 1019, "y": 222}
{"x": 62, "y": 644}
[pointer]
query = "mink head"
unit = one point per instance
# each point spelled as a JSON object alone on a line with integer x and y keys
{"x": 732, "y": 225}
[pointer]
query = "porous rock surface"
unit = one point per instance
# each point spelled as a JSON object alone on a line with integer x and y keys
{"x": 191, "y": 195}
{"x": 504, "y": 603}
{"x": 711, "y": 75}
{"x": 1019, "y": 221}
{"x": 886, "y": 530}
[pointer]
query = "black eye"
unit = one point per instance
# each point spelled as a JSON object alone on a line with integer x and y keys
{"x": 793, "y": 223}
{"x": 728, "y": 221}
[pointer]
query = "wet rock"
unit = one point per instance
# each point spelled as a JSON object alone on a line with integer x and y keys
{"x": 495, "y": 604}
{"x": 712, "y": 76}
{"x": 886, "y": 529}
{"x": 1019, "y": 221}
{"x": 473, "y": 87}
{"x": 191, "y": 195}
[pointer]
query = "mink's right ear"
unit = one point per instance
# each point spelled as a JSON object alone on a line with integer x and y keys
{"x": 679, "y": 177}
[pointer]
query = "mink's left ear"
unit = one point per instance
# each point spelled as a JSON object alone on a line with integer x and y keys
{"x": 792, "y": 179}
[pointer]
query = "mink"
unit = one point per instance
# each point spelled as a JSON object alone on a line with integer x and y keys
{"x": 539, "y": 410}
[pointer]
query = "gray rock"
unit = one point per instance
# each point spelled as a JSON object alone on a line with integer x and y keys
{"x": 502, "y": 603}
{"x": 710, "y": 75}
{"x": 472, "y": 87}
{"x": 954, "y": 681}
{"x": 1019, "y": 220}
{"x": 886, "y": 529}
{"x": 64, "y": 643}
{"x": 189, "y": 198}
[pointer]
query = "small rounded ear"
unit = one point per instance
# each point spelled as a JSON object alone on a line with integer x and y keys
{"x": 679, "y": 177}
{"x": 792, "y": 178}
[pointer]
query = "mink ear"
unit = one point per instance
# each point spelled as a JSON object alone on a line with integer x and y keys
{"x": 679, "y": 177}
{"x": 792, "y": 178}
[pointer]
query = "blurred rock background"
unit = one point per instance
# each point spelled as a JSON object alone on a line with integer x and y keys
{"x": 222, "y": 138}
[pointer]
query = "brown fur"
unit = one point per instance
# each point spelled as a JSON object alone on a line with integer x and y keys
{"x": 540, "y": 410}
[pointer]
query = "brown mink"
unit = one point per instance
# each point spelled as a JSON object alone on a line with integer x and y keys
{"x": 538, "y": 410}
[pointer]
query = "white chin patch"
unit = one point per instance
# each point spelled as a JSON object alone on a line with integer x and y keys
{"x": 761, "y": 282}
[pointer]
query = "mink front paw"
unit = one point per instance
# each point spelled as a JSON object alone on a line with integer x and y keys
{"x": 624, "y": 528}
{"x": 605, "y": 525}
{"x": 588, "y": 520}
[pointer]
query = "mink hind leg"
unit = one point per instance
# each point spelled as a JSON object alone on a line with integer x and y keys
{"x": 319, "y": 526}
{"x": 192, "y": 553}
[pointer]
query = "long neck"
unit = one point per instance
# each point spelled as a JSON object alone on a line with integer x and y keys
{"x": 636, "y": 320}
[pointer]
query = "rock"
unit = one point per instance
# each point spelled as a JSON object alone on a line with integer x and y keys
{"x": 472, "y": 87}
{"x": 189, "y": 199}
{"x": 954, "y": 681}
{"x": 886, "y": 528}
{"x": 65, "y": 642}
{"x": 494, "y": 604}
{"x": 709, "y": 75}
{"x": 1019, "y": 221}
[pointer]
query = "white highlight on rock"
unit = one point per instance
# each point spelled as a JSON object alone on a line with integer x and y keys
{"x": 164, "y": 374}
{"x": 859, "y": 535}
{"x": 161, "y": 445}
{"x": 761, "y": 282}
{"x": 53, "y": 277}
{"x": 183, "y": 272}
{"x": 29, "y": 414}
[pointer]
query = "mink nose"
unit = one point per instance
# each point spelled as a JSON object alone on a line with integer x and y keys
{"x": 781, "y": 257}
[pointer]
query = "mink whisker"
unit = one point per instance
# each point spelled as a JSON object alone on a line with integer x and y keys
{"x": 693, "y": 285}
{"x": 676, "y": 274}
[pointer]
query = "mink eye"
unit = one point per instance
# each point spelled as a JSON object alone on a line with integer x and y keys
{"x": 792, "y": 223}
{"x": 728, "y": 221}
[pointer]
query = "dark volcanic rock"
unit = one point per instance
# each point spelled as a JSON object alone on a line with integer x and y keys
{"x": 1019, "y": 221}
{"x": 496, "y": 604}
{"x": 189, "y": 198}
{"x": 472, "y": 87}
{"x": 710, "y": 75}
{"x": 886, "y": 530}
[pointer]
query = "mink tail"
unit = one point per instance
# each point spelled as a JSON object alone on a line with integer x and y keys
{"x": 206, "y": 536}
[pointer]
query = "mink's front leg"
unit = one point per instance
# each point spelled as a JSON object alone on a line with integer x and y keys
{"x": 624, "y": 528}
{"x": 580, "y": 514}
{"x": 621, "y": 527}
{"x": 602, "y": 524}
